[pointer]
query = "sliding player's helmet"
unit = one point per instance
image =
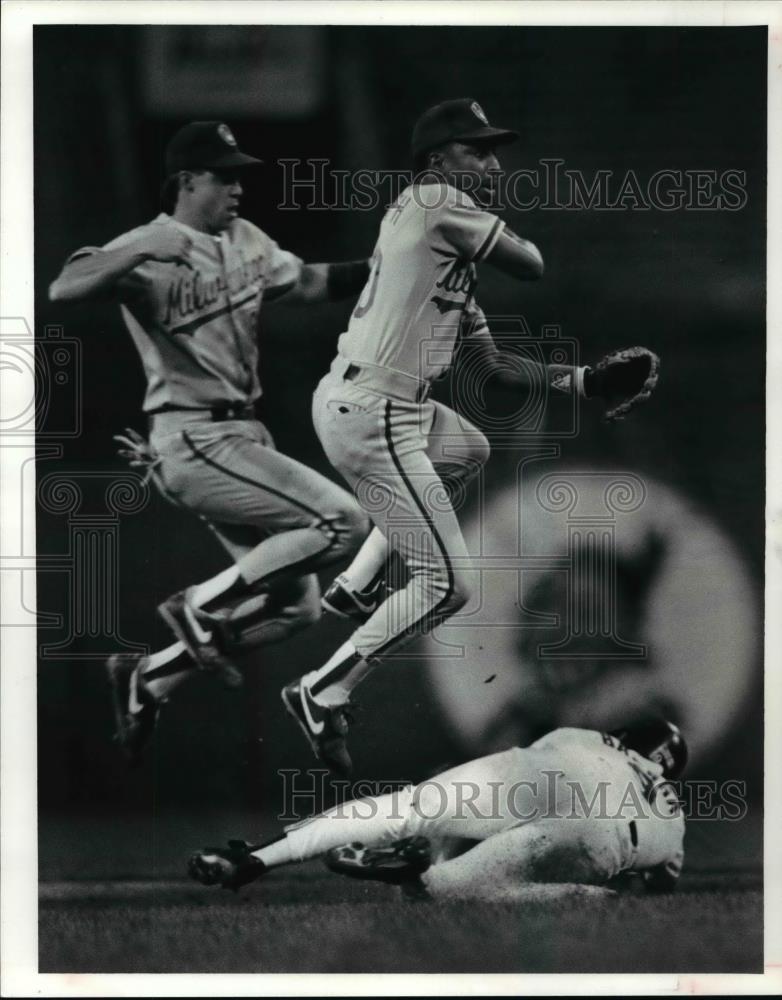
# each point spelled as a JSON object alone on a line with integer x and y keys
{"x": 660, "y": 741}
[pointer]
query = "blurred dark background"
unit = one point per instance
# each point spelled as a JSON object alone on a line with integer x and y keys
{"x": 689, "y": 284}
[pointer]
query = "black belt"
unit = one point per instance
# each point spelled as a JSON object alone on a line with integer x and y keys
{"x": 353, "y": 371}
{"x": 215, "y": 413}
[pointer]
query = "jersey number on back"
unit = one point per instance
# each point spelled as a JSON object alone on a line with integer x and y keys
{"x": 367, "y": 297}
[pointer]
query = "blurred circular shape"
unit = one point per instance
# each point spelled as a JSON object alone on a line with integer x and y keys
{"x": 24, "y": 380}
{"x": 374, "y": 495}
{"x": 502, "y": 672}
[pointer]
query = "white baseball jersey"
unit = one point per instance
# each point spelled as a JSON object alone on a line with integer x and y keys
{"x": 196, "y": 329}
{"x": 420, "y": 291}
{"x": 636, "y": 791}
{"x": 624, "y": 817}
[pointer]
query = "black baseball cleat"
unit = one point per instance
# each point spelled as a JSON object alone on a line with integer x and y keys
{"x": 345, "y": 602}
{"x": 200, "y": 634}
{"x": 134, "y": 728}
{"x": 230, "y": 867}
{"x": 399, "y": 863}
{"x": 324, "y": 726}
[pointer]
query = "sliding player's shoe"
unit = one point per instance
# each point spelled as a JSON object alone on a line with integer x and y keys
{"x": 398, "y": 863}
{"x": 230, "y": 867}
{"x": 325, "y": 727}
{"x": 135, "y": 718}
{"x": 199, "y": 633}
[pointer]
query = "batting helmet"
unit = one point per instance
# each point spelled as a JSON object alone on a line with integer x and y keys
{"x": 660, "y": 741}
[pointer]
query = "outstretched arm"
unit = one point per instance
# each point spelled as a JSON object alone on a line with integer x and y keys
{"x": 96, "y": 273}
{"x": 328, "y": 282}
{"x": 622, "y": 379}
{"x": 481, "y": 355}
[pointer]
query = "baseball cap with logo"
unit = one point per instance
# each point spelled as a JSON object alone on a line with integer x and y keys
{"x": 461, "y": 120}
{"x": 205, "y": 146}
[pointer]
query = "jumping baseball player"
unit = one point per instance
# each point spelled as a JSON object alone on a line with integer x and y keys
{"x": 399, "y": 451}
{"x": 576, "y": 807}
{"x": 190, "y": 286}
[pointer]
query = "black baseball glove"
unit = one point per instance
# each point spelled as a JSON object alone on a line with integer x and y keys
{"x": 623, "y": 379}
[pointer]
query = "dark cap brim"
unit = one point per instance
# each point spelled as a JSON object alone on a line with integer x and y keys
{"x": 234, "y": 159}
{"x": 487, "y": 133}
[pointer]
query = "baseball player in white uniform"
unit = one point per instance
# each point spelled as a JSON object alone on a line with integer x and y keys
{"x": 397, "y": 449}
{"x": 576, "y": 807}
{"x": 190, "y": 284}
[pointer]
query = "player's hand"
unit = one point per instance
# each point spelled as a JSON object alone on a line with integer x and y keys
{"x": 623, "y": 379}
{"x": 167, "y": 245}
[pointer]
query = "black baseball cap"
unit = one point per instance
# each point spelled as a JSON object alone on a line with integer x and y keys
{"x": 205, "y": 146}
{"x": 461, "y": 120}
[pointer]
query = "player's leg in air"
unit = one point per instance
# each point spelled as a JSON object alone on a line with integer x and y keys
{"x": 458, "y": 451}
{"x": 403, "y": 461}
{"x": 279, "y": 520}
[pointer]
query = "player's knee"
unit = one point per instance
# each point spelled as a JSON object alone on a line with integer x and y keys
{"x": 460, "y": 591}
{"x": 448, "y": 589}
{"x": 560, "y": 854}
{"x": 305, "y": 615}
{"x": 349, "y": 526}
{"x": 478, "y": 455}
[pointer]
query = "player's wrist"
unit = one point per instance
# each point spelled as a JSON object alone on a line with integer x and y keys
{"x": 587, "y": 382}
{"x": 346, "y": 278}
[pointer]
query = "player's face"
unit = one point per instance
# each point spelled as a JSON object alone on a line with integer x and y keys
{"x": 472, "y": 167}
{"x": 214, "y": 198}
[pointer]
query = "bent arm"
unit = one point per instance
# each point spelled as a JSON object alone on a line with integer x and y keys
{"x": 95, "y": 274}
{"x": 516, "y": 256}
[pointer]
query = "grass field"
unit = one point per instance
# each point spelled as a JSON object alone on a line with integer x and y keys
{"x": 305, "y": 920}
{"x": 316, "y": 923}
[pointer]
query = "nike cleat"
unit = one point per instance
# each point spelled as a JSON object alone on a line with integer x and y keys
{"x": 229, "y": 867}
{"x": 325, "y": 727}
{"x": 202, "y": 643}
{"x": 134, "y": 727}
{"x": 345, "y": 602}
{"x": 402, "y": 862}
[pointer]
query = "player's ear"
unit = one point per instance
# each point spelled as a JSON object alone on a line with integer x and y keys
{"x": 186, "y": 180}
{"x": 435, "y": 159}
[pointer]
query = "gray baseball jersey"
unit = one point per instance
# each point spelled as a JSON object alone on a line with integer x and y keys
{"x": 196, "y": 330}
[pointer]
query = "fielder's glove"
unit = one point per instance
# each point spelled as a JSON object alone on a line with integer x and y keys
{"x": 623, "y": 379}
